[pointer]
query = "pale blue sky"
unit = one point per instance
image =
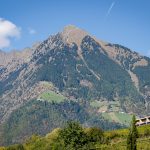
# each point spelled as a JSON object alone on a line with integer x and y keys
{"x": 126, "y": 22}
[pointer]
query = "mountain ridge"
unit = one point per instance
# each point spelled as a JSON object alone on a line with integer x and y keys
{"x": 81, "y": 68}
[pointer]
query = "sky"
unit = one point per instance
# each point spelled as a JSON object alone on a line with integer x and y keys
{"x": 125, "y": 22}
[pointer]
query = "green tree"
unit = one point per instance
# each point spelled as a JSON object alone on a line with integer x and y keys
{"x": 132, "y": 136}
{"x": 95, "y": 134}
{"x": 73, "y": 136}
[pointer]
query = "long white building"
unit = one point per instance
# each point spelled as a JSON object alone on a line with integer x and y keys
{"x": 143, "y": 121}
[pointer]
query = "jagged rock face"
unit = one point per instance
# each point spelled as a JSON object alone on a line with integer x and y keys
{"x": 18, "y": 56}
{"x": 79, "y": 66}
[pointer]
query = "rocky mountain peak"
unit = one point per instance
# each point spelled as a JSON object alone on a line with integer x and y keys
{"x": 72, "y": 34}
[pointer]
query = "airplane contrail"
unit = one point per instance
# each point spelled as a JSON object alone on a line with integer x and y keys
{"x": 110, "y": 8}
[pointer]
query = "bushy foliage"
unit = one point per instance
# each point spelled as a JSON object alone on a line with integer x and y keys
{"x": 95, "y": 135}
{"x": 73, "y": 136}
{"x": 147, "y": 132}
{"x": 16, "y": 147}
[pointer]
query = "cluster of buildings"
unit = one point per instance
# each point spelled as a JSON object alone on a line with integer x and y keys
{"x": 143, "y": 121}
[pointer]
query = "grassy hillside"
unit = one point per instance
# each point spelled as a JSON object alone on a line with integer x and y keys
{"x": 122, "y": 118}
{"x": 118, "y": 139}
{"x": 51, "y": 96}
{"x": 111, "y": 111}
{"x": 115, "y": 139}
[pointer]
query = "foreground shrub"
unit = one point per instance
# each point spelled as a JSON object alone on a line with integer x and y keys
{"x": 15, "y": 147}
{"x": 73, "y": 136}
{"x": 95, "y": 134}
{"x": 147, "y": 132}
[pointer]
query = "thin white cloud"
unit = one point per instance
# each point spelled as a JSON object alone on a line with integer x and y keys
{"x": 8, "y": 30}
{"x": 110, "y": 9}
{"x": 32, "y": 31}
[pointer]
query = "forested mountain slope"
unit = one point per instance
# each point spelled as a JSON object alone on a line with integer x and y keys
{"x": 80, "y": 68}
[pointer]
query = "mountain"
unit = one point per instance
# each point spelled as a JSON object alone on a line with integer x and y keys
{"x": 70, "y": 75}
